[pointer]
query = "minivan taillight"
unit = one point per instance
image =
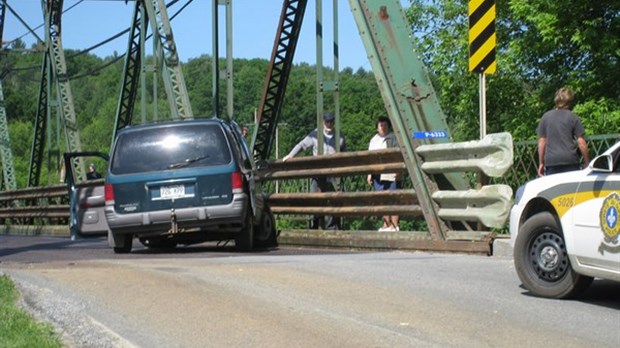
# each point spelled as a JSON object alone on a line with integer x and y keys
{"x": 109, "y": 193}
{"x": 237, "y": 182}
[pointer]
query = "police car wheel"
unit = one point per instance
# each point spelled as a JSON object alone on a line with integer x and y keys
{"x": 541, "y": 259}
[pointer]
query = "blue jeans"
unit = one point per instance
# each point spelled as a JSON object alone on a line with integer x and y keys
{"x": 549, "y": 170}
{"x": 384, "y": 185}
{"x": 332, "y": 223}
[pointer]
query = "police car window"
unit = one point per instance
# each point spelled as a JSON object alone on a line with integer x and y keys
{"x": 156, "y": 149}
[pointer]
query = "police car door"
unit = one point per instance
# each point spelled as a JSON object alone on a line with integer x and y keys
{"x": 595, "y": 222}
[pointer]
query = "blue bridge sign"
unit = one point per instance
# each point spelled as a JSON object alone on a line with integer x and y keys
{"x": 430, "y": 134}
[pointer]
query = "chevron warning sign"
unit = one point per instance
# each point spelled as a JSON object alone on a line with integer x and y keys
{"x": 482, "y": 37}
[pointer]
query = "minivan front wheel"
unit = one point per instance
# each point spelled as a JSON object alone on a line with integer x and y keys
{"x": 265, "y": 231}
{"x": 244, "y": 240}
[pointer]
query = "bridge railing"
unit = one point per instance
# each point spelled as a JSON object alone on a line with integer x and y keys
{"x": 45, "y": 205}
{"x": 525, "y": 166}
{"x": 346, "y": 203}
{"x": 22, "y": 206}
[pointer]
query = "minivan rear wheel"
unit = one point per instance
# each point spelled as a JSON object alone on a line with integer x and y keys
{"x": 121, "y": 243}
{"x": 244, "y": 240}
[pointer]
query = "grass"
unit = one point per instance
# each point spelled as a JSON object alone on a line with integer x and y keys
{"x": 17, "y": 327}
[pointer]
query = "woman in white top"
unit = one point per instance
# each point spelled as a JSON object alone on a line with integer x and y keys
{"x": 381, "y": 182}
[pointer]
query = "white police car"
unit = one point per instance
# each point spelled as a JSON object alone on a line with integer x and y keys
{"x": 565, "y": 230}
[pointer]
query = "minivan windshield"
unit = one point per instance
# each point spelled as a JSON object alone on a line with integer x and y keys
{"x": 170, "y": 147}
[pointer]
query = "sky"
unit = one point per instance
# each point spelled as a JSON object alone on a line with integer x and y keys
{"x": 254, "y": 22}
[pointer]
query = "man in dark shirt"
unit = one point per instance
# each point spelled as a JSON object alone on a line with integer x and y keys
{"x": 560, "y": 135}
{"x": 92, "y": 172}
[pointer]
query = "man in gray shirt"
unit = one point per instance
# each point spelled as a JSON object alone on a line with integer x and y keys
{"x": 560, "y": 135}
{"x": 329, "y": 147}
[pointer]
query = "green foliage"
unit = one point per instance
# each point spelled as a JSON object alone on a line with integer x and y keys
{"x": 18, "y": 328}
{"x": 541, "y": 46}
{"x": 603, "y": 115}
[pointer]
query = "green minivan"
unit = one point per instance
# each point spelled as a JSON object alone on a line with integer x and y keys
{"x": 184, "y": 182}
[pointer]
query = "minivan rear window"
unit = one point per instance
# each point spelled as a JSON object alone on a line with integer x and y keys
{"x": 170, "y": 147}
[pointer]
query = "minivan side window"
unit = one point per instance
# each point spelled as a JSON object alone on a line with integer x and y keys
{"x": 170, "y": 147}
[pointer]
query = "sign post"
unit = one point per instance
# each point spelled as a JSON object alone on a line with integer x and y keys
{"x": 482, "y": 40}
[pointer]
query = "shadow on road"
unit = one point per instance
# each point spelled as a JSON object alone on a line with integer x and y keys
{"x": 602, "y": 293}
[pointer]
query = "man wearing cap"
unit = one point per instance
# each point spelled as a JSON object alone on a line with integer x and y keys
{"x": 329, "y": 147}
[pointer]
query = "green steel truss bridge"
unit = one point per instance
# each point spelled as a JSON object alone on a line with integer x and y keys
{"x": 438, "y": 189}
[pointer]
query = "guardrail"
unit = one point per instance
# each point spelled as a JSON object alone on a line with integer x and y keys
{"x": 493, "y": 155}
{"x": 397, "y": 202}
{"x": 46, "y": 204}
{"x": 339, "y": 164}
{"x": 361, "y": 203}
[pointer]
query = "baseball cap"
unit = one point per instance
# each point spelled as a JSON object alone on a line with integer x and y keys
{"x": 328, "y": 116}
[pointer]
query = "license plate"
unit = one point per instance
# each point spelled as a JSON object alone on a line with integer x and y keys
{"x": 171, "y": 192}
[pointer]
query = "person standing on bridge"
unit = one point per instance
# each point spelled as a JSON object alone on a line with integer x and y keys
{"x": 321, "y": 184}
{"x": 388, "y": 181}
{"x": 92, "y": 173}
{"x": 561, "y": 137}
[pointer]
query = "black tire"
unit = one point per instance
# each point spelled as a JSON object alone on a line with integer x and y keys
{"x": 244, "y": 240}
{"x": 121, "y": 243}
{"x": 542, "y": 262}
{"x": 265, "y": 235}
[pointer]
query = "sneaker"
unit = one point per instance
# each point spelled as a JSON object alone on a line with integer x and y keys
{"x": 384, "y": 229}
{"x": 392, "y": 229}
{"x": 397, "y": 229}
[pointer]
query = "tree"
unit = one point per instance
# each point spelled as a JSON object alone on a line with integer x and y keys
{"x": 541, "y": 46}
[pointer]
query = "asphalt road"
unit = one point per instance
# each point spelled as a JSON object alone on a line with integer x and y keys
{"x": 209, "y": 296}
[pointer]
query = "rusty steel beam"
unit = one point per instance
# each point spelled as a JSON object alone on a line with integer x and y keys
{"x": 278, "y": 71}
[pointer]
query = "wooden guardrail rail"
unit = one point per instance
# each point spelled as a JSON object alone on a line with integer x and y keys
{"x": 363, "y": 203}
{"x": 23, "y": 205}
{"x": 45, "y": 202}
{"x": 397, "y": 202}
{"x": 339, "y": 164}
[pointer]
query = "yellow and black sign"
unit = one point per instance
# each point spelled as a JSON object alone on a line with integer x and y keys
{"x": 482, "y": 37}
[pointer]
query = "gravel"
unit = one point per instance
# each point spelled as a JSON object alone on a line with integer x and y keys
{"x": 67, "y": 315}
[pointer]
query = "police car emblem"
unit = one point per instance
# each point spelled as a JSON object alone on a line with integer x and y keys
{"x": 609, "y": 218}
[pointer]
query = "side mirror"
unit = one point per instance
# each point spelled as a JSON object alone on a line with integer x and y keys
{"x": 602, "y": 163}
